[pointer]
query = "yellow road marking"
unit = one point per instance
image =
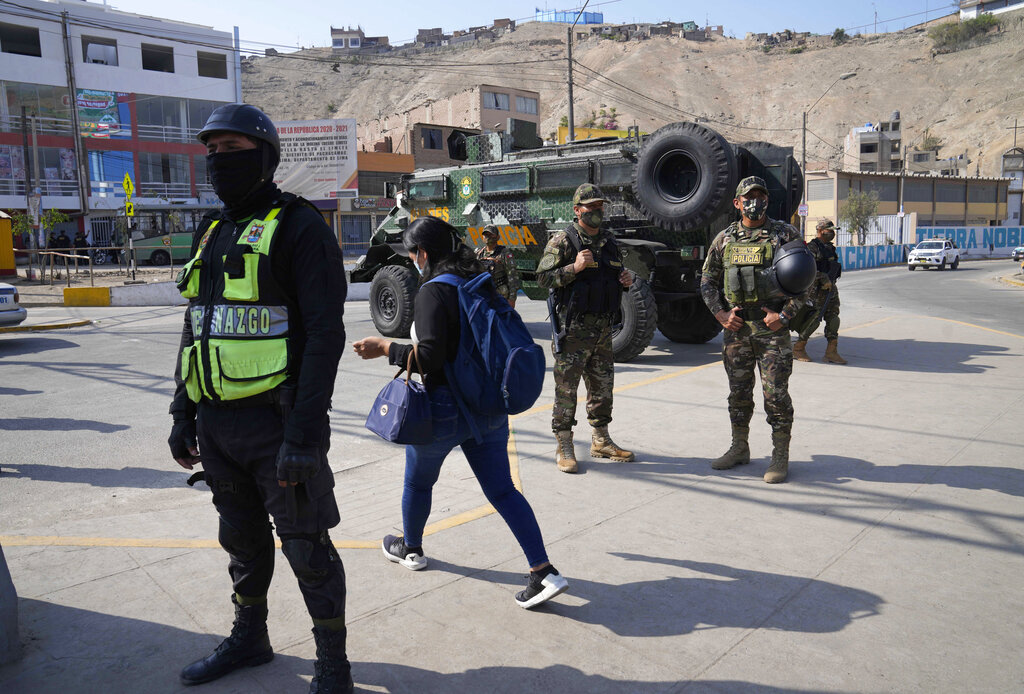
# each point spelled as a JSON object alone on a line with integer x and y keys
{"x": 40, "y": 328}
{"x": 979, "y": 327}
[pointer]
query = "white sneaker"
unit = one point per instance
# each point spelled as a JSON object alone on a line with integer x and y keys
{"x": 395, "y": 550}
{"x": 540, "y": 590}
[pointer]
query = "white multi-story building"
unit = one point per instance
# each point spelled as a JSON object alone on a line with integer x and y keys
{"x": 92, "y": 94}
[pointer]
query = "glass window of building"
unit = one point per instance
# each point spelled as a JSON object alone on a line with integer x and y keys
{"x": 157, "y": 58}
{"x": 526, "y": 104}
{"x": 431, "y": 138}
{"x": 496, "y": 101}
{"x": 212, "y": 65}
{"x": 20, "y": 40}
{"x": 199, "y": 112}
{"x": 99, "y": 51}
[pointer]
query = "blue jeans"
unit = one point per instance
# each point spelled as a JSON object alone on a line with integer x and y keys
{"x": 489, "y": 461}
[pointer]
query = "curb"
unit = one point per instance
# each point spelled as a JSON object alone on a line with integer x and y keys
{"x": 48, "y": 326}
{"x": 87, "y": 296}
{"x": 1016, "y": 283}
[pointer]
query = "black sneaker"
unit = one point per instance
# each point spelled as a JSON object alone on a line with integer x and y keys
{"x": 410, "y": 557}
{"x": 541, "y": 588}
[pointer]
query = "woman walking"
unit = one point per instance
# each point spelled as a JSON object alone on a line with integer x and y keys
{"x": 435, "y": 249}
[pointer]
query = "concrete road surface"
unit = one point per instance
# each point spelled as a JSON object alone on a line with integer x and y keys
{"x": 889, "y": 562}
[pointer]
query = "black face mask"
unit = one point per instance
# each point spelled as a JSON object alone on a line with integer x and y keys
{"x": 235, "y": 174}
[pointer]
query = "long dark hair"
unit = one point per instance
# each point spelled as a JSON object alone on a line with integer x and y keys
{"x": 443, "y": 246}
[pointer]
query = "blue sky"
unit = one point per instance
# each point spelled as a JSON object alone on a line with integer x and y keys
{"x": 307, "y": 22}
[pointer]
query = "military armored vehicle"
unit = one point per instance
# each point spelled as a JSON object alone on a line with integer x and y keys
{"x": 668, "y": 194}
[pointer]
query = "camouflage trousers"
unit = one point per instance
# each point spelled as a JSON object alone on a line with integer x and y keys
{"x": 587, "y": 354}
{"x": 772, "y": 353}
{"x": 831, "y": 316}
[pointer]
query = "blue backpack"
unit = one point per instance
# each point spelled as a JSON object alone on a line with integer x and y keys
{"x": 498, "y": 368}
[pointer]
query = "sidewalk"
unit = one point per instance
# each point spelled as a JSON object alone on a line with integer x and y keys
{"x": 890, "y": 561}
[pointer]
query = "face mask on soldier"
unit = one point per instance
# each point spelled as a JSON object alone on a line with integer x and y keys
{"x": 592, "y": 218}
{"x": 828, "y": 236}
{"x": 755, "y": 209}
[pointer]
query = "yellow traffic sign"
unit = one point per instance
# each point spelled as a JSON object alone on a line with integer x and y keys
{"x": 129, "y": 208}
{"x": 127, "y": 185}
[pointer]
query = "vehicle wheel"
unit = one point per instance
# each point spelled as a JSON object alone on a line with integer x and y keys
{"x": 942, "y": 266}
{"x": 392, "y": 292}
{"x": 689, "y": 322}
{"x": 685, "y": 175}
{"x": 955, "y": 264}
{"x": 911, "y": 268}
{"x": 637, "y": 318}
{"x": 160, "y": 258}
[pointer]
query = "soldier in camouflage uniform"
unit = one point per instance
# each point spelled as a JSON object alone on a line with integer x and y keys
{"x": 823, "y": 290}
{"x": 499, "y": 262}
{"x": 583, "y": 269}
{"x": 756, "y": 327}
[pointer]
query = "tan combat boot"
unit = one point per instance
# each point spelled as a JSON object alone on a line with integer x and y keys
{"x": 602, "y": 446}
{"x": 800, "y": 351}
{"x": 566, "y": 454}
{"x": 738, "y": 453}
{"x": 779, "y": 468}
{"x": 832, "y": 353}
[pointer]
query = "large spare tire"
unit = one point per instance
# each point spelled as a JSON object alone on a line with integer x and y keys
{"x": 688, "y": 321}
{"x": 685, "y": 176}
{"x": 637, "y": 319}
{"x": 392, "y": 292}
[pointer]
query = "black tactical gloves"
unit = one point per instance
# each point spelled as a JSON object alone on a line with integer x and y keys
{"x": 297, "y": 464}
{"x": 182, "y": 442}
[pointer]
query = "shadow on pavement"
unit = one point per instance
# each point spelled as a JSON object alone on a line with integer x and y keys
{"x": 13, "y": 346}
{"x": 839, "y": 470}
{"x": 720, "y": 596}
{"x": 18, "y": 391}
{"x": 912, "y": 355}
{"x": 134, "y": 477}
{"x": 68, "y": 649}
{"x": 389, "y": 677}
{"x": 59, "y": 424}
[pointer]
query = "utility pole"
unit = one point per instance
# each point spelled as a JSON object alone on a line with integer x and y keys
{"x": 81, "y": 166}
{"x": 572, "y": 127}
{"x": 1014, "y": 129}
{"x": 803, "y": 172}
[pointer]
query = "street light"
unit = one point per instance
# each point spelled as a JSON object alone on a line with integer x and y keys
{"x": 803, "y": 154}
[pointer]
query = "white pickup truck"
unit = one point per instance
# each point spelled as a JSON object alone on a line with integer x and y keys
{"x": 937, "y": 253}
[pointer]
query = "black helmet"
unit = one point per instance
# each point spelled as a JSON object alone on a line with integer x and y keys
{"x": 245, "y": 119}
{"x": 793, "y": 270}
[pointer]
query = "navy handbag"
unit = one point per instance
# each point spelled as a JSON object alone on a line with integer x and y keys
{"x": 401, "y": 412}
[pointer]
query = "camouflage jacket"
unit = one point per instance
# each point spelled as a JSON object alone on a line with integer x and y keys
{"x": 712, "y": 282}
{"x": 819, "y": 249}
{"x": 502, "y": 267}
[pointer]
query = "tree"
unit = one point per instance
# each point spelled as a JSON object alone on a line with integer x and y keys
{"x": 858, "y": 214}
{"x": 929, "y": 141}
{"x": 839, "y": 36}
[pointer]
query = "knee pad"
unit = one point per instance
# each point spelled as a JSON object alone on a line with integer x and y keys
{"x": 238, "y": 543}
{"x": 310, "y": 556}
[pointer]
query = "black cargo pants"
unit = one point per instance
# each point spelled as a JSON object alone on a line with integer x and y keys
{"x": 239, "y": 450}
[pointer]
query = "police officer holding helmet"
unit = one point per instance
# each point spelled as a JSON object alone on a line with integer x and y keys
{"x": 823, "y": 298}
{"x": 259, "y": 353}
{"x": 754, "y": 281}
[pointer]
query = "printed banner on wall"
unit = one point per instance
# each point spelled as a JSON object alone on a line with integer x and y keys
{"x": 996, "y": 240}
{"x": 318, "y": 158}
{"x": 104, "y": 114}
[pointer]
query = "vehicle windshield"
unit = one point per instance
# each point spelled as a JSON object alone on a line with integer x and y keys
{"x": 929, "y": 245}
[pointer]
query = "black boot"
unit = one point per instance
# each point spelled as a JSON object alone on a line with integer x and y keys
{"x": 248, "y": 645}
{"x": 333, "y": 674}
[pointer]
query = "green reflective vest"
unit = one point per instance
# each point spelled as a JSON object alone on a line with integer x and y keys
{"x": 240, "y": 335}
{"x": 745, "y": 264}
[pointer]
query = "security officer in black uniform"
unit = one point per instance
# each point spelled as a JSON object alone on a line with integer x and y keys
{"x": 259, "y": 353}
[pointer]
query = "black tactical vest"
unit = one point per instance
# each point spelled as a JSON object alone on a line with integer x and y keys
{"x": 595, "y": 290}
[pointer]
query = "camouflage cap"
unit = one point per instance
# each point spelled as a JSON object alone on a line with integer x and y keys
{"x": 490, "y": 229}
{"x": 751, "y": 183}
{"x": 825, "y": 224}
{"x": 586, "y": 194}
